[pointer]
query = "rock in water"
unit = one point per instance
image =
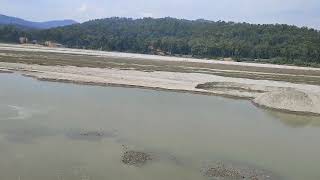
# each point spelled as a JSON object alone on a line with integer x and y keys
{"x": 135, "y": 158}
{"x": 290, "y": 100}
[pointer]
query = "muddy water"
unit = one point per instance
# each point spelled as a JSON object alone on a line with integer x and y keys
{"x": 47, "y": 131}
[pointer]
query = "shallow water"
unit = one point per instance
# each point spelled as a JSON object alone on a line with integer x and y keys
{"x": 41, "y": 123}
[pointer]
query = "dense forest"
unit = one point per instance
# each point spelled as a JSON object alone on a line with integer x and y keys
{"x": 200, "y": 38}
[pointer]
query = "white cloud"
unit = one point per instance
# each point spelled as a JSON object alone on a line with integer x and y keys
{"x": 83, "y": 8}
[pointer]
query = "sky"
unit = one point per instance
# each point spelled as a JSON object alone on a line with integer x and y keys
{"x": 293, "y": 12}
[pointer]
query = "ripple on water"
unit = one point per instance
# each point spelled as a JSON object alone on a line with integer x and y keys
{"x": 7, "y": 112}
{"x": 21, "y": 112}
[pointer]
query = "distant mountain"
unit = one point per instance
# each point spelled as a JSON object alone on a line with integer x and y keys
{"x": 6, "y": 20}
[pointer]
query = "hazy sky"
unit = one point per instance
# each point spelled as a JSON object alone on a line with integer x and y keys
{"x": 298, "y": 12}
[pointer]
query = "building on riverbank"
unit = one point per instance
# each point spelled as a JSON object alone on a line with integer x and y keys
{"x": 23, "y": 40}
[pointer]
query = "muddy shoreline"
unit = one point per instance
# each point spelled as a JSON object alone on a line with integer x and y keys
{"x": 135, "y": 86}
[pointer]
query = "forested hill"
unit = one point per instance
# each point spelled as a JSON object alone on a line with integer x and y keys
{"x": 200, "y": 38}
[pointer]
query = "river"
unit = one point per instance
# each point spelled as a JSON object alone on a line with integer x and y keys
{"x": 43, "y": 127}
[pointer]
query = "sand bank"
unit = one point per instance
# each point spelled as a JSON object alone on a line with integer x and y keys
{"x": 298, "y": 98}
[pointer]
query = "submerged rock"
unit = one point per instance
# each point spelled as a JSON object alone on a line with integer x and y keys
{"x": 90, "y": 135}
{"x": 229, "y": 171}
{"x": 222, "y": 172}
{"x": 136, "y": 158}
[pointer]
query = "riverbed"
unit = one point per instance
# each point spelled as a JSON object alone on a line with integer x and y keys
{"x": 45, "y": 130}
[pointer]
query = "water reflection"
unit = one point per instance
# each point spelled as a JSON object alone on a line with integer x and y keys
{"x": 294, "y": 120}
{"x": 27, "y": 133}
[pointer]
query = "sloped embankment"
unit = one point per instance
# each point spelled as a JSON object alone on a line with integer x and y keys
{"x": 290, "y": 100}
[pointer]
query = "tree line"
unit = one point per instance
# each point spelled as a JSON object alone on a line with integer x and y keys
{"x": 278, "y": 43}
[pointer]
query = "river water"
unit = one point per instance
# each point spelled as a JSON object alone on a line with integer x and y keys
{"x": 42, "y": 126}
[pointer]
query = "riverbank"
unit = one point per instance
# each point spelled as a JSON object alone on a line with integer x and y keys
{"x": 284, "y": 88}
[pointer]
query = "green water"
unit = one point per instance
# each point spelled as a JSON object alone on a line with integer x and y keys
{"x": 40, "y": 124}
